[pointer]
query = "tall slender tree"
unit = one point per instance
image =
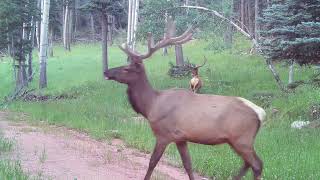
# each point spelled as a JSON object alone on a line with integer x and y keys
{"x": 43, "y": 55}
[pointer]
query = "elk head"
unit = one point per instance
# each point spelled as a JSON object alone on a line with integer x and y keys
{"x": 195, "y": 70}
{"x": 135, "y": 70}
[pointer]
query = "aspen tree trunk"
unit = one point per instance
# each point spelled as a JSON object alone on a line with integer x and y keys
{"x": 66, "y": 28}
{"x": 291, "y": 72}
{"x": 9, "y": 40}
{"x": 129, "y": 28}
{"x": 70, "y": 27}
{"x": 256, "y": 23}
{"x": 132, "y": 22}
{"x": 38, "y": 24}
{"x": 104, "y": 43}
{"x": 250, "y": 21}
{"x": 129, "y": 22}
{"x": 133, "y": 10}
{"x": 242, "y": 13}
{"x": 93, "y": 33}
{"x": 50, "y": 42}
{"x": 76, "y": 16}
{"x": 43, "y": 56}
{"x": 23, "y": 65}
{"x": 110, "y": 33}
{"x": 135, "y": 23}
{"x": 32, "y": 36}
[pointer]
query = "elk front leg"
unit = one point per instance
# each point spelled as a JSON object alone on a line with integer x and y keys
{"x": 155, "y": 157}
{"x": 190, "y": 86}
{"x": 185, "y": 156}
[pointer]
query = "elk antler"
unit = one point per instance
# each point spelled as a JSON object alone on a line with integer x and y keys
{"x": 183, "y": 38}
{"x": 205, "y": 60}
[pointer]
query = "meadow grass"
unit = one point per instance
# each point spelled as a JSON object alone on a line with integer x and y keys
{"x": 9, "y": 170}
{"x": 101, "y": 107}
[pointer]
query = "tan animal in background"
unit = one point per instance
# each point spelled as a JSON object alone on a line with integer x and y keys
{"x": 180, "y": 116}
{"x": 196, "y": 82}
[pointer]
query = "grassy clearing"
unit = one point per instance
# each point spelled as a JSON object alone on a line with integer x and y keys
{"x": 101, "y": 107}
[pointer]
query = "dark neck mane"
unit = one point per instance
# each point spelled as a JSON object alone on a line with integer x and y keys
{"x": 141, "y": 96}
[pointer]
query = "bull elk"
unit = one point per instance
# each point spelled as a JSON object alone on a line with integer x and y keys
{"x": 196, "y": 82}
{"x": 180, "y": 116}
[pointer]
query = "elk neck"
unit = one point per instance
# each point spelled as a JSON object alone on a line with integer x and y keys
{"x": 141, "y": 95}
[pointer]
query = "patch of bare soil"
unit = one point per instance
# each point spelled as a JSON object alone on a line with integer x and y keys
{"x": 52, "y": 152}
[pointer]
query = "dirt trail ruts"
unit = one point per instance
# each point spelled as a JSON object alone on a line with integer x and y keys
{"x": 58, "y": 153}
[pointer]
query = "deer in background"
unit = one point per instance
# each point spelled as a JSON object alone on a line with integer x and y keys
{"x": 195, "y": 82}
{"x": 180, "y": 116}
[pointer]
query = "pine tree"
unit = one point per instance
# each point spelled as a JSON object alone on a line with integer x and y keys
{"x": 292, "y": 31}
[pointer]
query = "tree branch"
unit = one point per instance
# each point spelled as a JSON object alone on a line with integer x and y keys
{"x": 216, "y": 13}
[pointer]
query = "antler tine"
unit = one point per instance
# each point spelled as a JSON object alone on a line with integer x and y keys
{"x": 125, "y": 48}
{"x": 205, "y": 60}
{"x": 186, "y": 36}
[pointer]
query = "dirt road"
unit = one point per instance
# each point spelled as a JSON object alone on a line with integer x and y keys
{"x": 58, "y": 153}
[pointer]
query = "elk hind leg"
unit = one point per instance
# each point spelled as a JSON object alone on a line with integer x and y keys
{"x": 250, "y": 159}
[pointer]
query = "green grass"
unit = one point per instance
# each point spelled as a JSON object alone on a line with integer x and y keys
{"x": 102, "y": 107}
{"x": 6, "y": 145}
{"x": 9, "y": 170}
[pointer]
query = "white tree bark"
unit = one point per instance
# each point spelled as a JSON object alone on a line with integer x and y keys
{"x": 129, "y": 22}
{"x": 133, "y": 10}
{"x": 38, "y": 24}
{"x": 70, "y": 27}
{"x": 256, "y": 16}
{"x": 291, "y": 72}
{"x": 93, "y": 34}
{"x": 135, "y": 23}
{"x": 67, "y": 28}
{"x": 31, "y": 37}
{"x": 43, "y": 55}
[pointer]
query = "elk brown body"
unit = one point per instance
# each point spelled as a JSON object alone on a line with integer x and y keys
{"x": 180, "y": 116}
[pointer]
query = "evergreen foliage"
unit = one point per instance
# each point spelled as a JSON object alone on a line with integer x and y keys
{"x": 292, "y": 31}
{"x": 17, "y": 19}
